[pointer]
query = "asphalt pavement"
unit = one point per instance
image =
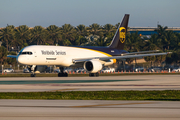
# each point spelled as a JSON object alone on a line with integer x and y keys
{"x": 88, "y": 110}
{"x": 120, "y": 83}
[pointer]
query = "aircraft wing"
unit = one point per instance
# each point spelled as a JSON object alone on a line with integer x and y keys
{"x": 140, "y": 52}
{"x": 119, "y": 57}
{"x": 12, "y": 56}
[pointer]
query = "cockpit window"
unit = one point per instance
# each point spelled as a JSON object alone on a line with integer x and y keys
{"x": 25, "y": 53}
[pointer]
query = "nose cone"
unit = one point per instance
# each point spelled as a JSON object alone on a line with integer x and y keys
{"x": 21, "y": 59}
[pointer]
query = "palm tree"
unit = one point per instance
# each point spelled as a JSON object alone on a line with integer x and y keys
{"x": 108, "y": 27}
{"x": 162, "y": 34}
{"x": 150, "y": 59}
{"x": 117, "y": 25}
{"x": 69, "y": 33}
{"x": 22, "y": 36}
{"x": 81, "y": 40}
{"x": 94, "y": 28}
{"x": 102, "y": 41}
{"x": 152, "y": 43}
{"x": 176, "y": 42}
{"x": 161, "y": 30}
{"x": 54, "y": 34}
{"x": 109, "y": 31}
{"x": 11, "y": 61}
{"x": 80, "y": 37}
{"x": 169, "y": 38}
{"x": 7, "y": 35}
{"x": 81, "y": 29}
{"x": 39, "y": 35}
{"x": 66, "y": 42}
{"x": 3, "y": 54}
{"x": 66, "y": 29}
{"x": 160, "y": 58}
{"x": 133, "y": 42}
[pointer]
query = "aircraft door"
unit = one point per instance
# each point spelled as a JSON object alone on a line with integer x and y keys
{"x": 35, "y": 54}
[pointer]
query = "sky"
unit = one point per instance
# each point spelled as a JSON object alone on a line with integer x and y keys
{"x": 143, "y": 13}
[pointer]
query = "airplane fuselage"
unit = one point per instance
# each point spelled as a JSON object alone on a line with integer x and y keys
{"x": 64, "y": 55}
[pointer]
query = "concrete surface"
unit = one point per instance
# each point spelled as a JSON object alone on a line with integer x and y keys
{"x": 88, "y": 110}
{"x": 132, "y": 82}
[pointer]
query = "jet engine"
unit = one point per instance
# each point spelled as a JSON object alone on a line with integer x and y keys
{"x": 93, "y": 66}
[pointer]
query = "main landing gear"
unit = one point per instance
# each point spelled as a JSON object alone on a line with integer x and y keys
{"x": 62, "y": 73}
{"x": 93, "y": 74}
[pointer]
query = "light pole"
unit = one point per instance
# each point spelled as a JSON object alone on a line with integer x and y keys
{"x": 18, "y": 67}
{"x": 2, "y": 68}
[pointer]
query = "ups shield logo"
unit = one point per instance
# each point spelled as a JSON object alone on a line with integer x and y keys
{"x": 122, "y": 34}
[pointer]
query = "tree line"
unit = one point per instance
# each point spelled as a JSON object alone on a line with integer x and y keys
{"x": 16, "y": 38}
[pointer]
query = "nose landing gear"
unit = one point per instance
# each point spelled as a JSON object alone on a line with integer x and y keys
{"x": 33, "y": 75}
{"x": 33, "y": 69}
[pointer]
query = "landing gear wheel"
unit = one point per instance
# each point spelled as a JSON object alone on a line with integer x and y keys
{"x": 59, "y": 74}
{"x": 93, "y": 74}
{"x": 97, "y": 74}
{"x": 65, "y": 74}
{"x": 62, "y": 74}
{"x": 33, "y": 75}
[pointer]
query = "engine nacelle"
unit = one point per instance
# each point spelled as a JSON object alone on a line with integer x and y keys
{"x": 93, "y": 66}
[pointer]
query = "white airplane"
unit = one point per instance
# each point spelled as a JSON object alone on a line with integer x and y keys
{"x": 93, "y": 59}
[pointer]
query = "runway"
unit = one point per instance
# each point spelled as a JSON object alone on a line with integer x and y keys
{"x": 88, "y": 110}
{"x": 132, "y": 82}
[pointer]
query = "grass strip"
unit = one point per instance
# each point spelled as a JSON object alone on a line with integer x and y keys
{"x": 83, "y": 75}
{"x": 166, "y": 95}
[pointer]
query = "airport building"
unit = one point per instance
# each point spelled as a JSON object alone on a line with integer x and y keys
{"x": 147, "y": 31}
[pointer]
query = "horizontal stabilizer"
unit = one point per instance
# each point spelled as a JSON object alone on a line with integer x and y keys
{"x": 12, "y": 56}
{"x": 140, "y": 52}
